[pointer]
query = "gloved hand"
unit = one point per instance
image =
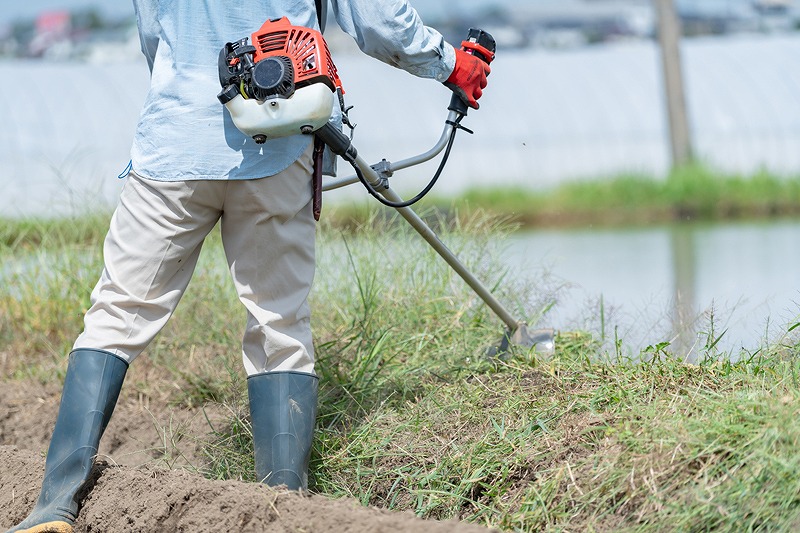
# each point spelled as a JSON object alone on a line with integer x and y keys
{"x": 468, "y": 78}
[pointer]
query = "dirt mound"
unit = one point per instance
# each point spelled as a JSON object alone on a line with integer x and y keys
{"x": 135, "y": 487}
{"x": 149, "y": 499}
{"x": 141, "y": 431}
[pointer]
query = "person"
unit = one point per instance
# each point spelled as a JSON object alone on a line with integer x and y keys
{"x": 190, "y": 168}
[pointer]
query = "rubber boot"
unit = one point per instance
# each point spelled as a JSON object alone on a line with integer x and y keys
{"x": 91, "y": 388}
{"x": 283, "y": 409}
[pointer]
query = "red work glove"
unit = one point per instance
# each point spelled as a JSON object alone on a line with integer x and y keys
{"x": 468, "y": 78}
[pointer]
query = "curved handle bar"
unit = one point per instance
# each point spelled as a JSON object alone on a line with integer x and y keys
{"x": 405, "y": 163}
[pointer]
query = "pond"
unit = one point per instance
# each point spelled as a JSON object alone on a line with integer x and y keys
{"x": 687, "y": 284}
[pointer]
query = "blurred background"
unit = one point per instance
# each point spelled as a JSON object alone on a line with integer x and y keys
{"x": 581, "y": 90}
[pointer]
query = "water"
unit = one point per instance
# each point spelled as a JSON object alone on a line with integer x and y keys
{"x": 677, "y": 283}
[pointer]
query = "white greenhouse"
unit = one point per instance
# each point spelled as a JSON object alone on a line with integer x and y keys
{"x": 547, "y": 117}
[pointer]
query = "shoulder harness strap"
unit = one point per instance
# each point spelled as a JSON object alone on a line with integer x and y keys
{"x": 322, "y": 13}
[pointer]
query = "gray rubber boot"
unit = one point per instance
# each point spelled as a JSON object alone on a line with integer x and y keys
{"x": 283, "y": 409}
{"x": 91, "y": 388}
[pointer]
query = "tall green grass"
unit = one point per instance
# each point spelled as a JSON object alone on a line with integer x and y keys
{"x": 694, "y": 192}
{"x": 414, "y": 417}
{"x": 688, "y": 193}
{"x": 49, "y": 268}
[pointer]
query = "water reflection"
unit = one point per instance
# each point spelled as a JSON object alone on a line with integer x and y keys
{"x": 684, "y": 263}
{"x": 687, "y": 284}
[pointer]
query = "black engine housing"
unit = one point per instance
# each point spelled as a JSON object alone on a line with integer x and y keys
{"x": 272, "y": 77}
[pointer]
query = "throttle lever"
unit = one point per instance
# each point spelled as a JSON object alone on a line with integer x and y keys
{"x": 482, "y": 45}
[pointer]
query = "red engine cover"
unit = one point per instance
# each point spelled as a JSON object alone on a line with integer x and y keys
{"x": 304, "y": 46}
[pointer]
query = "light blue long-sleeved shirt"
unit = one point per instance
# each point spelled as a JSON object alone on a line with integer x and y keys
{"x": 184, "y": 133}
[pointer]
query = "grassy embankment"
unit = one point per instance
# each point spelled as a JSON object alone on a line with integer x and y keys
{"x": 414, "y": 417}
{"x": 692, "y": 193}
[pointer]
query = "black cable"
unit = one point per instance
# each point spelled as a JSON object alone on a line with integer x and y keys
{"x": 370, "y": 189}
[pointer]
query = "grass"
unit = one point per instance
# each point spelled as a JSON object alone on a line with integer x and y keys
{"x": 414, "y": 417}
{"x": 579, "y": 445}
{"x": 691, "y": 193}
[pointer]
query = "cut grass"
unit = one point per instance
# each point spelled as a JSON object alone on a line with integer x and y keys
{"x": 577, "y": 444}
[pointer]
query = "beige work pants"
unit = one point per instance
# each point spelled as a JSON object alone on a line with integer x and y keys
{"x": 153, "y": 244}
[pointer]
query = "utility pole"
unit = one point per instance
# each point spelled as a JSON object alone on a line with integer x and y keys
{"x": 669, "y": 34}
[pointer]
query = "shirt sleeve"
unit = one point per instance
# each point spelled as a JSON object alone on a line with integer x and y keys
{"x": 392, "y": 31}
{"x": 149, "y": 30}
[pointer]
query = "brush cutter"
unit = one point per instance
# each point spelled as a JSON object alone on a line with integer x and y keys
{"x": 282, "y": 81}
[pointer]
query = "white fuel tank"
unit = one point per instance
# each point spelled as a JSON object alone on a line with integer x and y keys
{"x": 307, "y": 110}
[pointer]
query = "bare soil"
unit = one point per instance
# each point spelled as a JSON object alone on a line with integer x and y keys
{"x": 143, "y": 480}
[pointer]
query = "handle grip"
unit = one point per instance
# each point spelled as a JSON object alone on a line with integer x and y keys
{"x": 482, "y": 45}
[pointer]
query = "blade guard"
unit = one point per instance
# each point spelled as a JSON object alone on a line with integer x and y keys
{"x": 542, "y": 341}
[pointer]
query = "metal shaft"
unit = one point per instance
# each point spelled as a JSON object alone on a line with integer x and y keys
{"x": 430, "y": 236}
